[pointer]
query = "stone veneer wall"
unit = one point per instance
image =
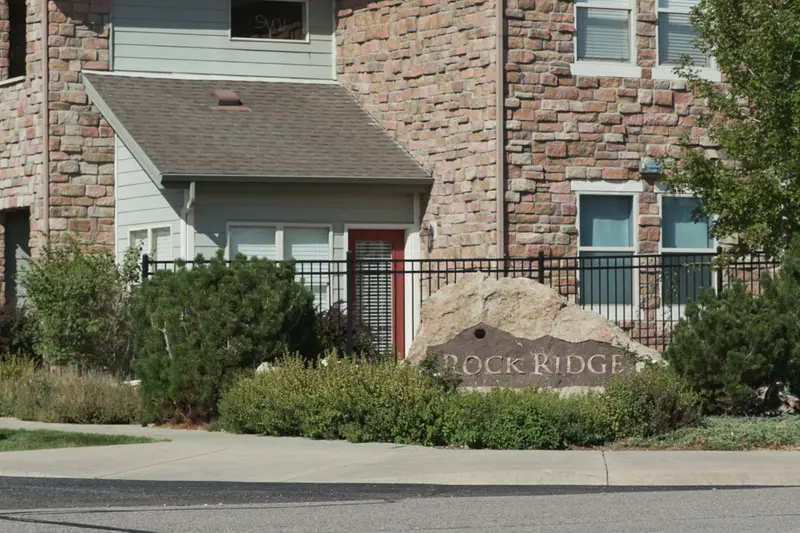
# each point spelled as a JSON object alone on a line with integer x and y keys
{"x": 81, "y": 143}
{"x": 20, "y": 137}
{"x": 563, "y": 127}
{"x": 425, "y": 70}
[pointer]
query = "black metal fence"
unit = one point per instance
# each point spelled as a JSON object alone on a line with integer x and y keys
{"x": 645, "y": 295}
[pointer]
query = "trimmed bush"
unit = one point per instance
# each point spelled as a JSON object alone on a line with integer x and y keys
{"x": 652, "y": 402}
{"x": 739, "y": 351}
{"x": 78, "y": 315}
{"x": 349, "y": 399}
{"x": 65, "y": 396}
{"x": 196, "y": 329}
{"x": 360, "y": 401}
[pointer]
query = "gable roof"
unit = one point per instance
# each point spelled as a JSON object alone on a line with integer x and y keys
{"x": 289, "y": 132}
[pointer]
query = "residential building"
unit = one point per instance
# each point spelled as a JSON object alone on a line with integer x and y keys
{"x": 306, "y": 128}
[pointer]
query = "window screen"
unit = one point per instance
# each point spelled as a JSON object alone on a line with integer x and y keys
{"x": 679, "y": 228}
{"x": 267, "y": 19}
{"x": 606, "y": 221}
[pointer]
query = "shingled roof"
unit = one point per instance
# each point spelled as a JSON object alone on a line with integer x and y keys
{"x": 300, "y": 132}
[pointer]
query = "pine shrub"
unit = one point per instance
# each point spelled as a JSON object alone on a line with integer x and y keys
{"x": 197, "y": 328}
{"x": 739, "y": 351}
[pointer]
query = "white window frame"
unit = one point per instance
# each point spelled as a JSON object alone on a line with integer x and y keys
{"x": 667, "y": 71}
{"x": 279, "y": 243}
{"x": 607, "y": 69}
{"x": 631, "y": 189}
{"x": 306, "y": 26}
{"x": 150, "y": 230}
{"x": 675, "y": 311}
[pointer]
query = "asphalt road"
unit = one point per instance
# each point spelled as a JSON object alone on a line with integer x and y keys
{"x": 62, "y": 505}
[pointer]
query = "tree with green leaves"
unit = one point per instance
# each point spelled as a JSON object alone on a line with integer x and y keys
{"x": 753, "y": 191}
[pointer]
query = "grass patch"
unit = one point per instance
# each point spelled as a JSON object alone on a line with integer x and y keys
{"x": 12, "y": 440}
{"x": 725, "y": 434}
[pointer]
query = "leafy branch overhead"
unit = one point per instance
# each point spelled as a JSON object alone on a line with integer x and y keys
{"x": 753, "y": 191}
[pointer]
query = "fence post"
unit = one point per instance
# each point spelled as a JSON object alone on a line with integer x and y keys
{"x": 145, "y": 267}
{"x": 351, "y": 299}
{"x": 541, "y": 267}
{"x": 720, "y": 277}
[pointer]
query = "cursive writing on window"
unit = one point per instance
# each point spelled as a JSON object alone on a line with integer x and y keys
{"x": 267, "y": 19}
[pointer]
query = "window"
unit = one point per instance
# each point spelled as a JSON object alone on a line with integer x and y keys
{"x": 686, "y": 245}
{"x": 283, "y": 20}
{"x": 17, "y": 38}
{"x": 676, "y": 35}
{"x": 606, "y": 250}
{"x": 155, "y": 242}
{"x": 309, "y": 246}
{"x": 604, "y": 30}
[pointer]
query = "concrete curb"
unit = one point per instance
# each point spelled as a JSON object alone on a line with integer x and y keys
{"x": 203, "y": 456}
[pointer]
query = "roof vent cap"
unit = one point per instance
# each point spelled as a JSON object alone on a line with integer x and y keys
{"x": 228, "y": 99}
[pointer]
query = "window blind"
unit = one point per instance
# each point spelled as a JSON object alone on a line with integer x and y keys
{"x": 678, "y": 5}
{"x": 162, "y": 237}
{"x": 139, "y": 239}
{"x": 310, "y": 244}
{"x": 374, "y": 290}
{"x": 254, "y": 242}
{"x": 604, "y": 34}
{"x": 676, "y": 38}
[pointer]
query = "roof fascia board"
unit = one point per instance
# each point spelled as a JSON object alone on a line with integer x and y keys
{"x": 423, "y": 183}
{"x": 119, "y": 129}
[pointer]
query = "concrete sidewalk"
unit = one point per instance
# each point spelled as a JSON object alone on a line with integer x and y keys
{"x": 202, "y": 456}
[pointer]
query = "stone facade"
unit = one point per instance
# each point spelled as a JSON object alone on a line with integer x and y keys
{"x": 426, "y": 71}
{"x": 20, "y": 134}
{"x": 563, "y": 127}
{"x": 81, "y": 143}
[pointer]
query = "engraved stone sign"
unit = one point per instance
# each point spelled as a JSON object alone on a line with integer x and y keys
{"x": 484, "y": 356}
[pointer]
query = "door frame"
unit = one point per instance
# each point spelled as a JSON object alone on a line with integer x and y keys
{"x": 412, "y": 284}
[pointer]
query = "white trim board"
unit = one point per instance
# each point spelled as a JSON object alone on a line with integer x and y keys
{"x": 607, "y": 186}
{"x": 206, "y": 77}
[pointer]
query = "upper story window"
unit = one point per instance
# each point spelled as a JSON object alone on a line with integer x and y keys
{"x": 676, "y": 35}
{"x": 276, "y": 20}
{"x": 604, "y": 30}
{"x": 17, "y": 39}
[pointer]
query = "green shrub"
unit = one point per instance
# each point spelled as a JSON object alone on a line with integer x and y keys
{"x": 78, "y": 314}
{"x": 332, "y": 334}
{"x": 68, "y": 397}
{"x": 350, "y": 398}
{"x": 196, "y": 329}
{"x": 652, "y": 402}
{"x": 738, "y": 351}
{"x": 15, "y": 338}
{"x": 383, "y": 401}
{"x": 15, "y": 367}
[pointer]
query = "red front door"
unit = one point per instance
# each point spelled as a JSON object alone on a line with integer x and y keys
{"x": 380, "y": 285}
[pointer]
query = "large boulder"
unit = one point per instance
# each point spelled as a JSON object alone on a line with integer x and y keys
{"x": 516, "y": 332}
